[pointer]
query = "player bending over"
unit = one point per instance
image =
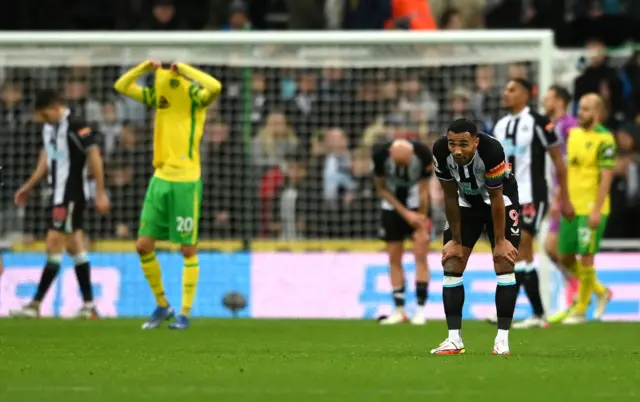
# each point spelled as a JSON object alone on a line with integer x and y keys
{"x": 591, "y": 154}
{"x": 69, "y": 148}
{"x": 527, "y": 137}
{"x": 171, "y": 208}
{"x": 479, "y": 193}
{"x": 401, "y": 172}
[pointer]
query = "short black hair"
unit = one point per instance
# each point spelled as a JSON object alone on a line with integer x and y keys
{"x": 526, "y": 84}
{"x": 448, "y": 15}
{"x": 562, "y": 93}
{"x": 463, "y": 125}
{"x": 47, "y": 98}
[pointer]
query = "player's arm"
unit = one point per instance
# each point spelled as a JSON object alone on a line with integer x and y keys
{"x": 551, "y": 141}
{"x": 127, "y": 86}
{"x": 494, "y": 175}
{"x": 449, "y": 187}
{"x": 86, "y": 140}
{"x": 607, "y": 161}
{"x": 425, "y": 156}
{"x": 38, "y": 173}
{"x": 211, "y": 87}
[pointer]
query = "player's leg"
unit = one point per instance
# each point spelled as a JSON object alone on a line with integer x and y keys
{"x": 54, "y": 244}
{"x": 153, "y": 226}
{"x": 421, "y": 239}
{"x": 551, "y": 249}
{"x": 588, "y": 246}
{"x": 184, "y": 213}
{"x": 506, "y": 288}
{"x": 76, "y": 250}
{"x": 453, "y": 295}
{"x": 525, "y": 269}
{"x": 393, "y": 233}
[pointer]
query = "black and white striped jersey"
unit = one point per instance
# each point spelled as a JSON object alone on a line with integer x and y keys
{"x": 66, "y": 145}
{"x": 525, "y": 137}
{"x": 486, "y": 170}
{"x": 403, "y": 181}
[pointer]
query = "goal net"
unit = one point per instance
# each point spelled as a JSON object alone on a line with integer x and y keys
{"x": 286, "y": 148}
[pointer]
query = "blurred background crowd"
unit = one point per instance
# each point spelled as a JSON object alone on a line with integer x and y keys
{"x": 286, "y": 152}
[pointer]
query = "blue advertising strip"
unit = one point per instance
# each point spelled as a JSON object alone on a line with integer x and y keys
{"x": 118, "y": 276}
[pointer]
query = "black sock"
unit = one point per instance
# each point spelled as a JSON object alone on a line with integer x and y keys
{"x": 398, "y": 296}
{"x": 83, "y": 273}
{"x": 422, "y": 292}
{"x": 506, "y": 295}
{"x": 453, "y": 299}
{"x": 520, "y": 279}
{"x": 49, "y": 274}
{"x": 532, "y": 288}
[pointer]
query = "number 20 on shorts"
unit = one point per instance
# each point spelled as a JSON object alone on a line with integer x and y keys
{"x": 184, "y": 224}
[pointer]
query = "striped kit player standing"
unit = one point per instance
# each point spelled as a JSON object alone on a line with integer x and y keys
{"x": 527, "y": 138}
{"x": 69, "y": 153}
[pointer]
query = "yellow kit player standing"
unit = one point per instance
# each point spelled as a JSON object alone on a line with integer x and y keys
{"x": 171, "y": 208}
{"x": 591, "y": 156}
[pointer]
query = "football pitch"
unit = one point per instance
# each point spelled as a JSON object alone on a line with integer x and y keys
{"x": 289, "y": 360}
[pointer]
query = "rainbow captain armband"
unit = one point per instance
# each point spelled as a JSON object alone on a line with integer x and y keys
{"x": 493, "y": 177}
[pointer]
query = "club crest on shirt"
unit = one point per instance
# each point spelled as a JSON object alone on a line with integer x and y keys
{"x": 163, "y": 103}
{"x": 174, "y": 83}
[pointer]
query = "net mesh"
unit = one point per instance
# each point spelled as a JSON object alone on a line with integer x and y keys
{"x": 286, "y": 148}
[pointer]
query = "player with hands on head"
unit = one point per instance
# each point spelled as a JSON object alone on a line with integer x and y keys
{"x": 480, "y": 194}
{"x": 69, "y": 148}
{"x": 171, "y": 209}
{"x": 401, "y": 172}
{"x": 527, "y": 138}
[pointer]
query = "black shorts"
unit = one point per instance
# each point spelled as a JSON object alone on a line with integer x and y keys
{"x": 532, "y": 215}
{"x": 476, "y": 220}
{"x": 67, "y": 217}
{"x": 394, "y": 227}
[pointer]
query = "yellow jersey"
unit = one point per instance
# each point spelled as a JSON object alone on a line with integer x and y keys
{"x": 181, "y": 107}
{"x": 588, "y": 152}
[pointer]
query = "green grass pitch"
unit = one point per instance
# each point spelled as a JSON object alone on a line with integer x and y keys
{"x": 309, "y": 361}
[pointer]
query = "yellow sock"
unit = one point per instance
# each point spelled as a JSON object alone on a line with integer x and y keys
{"x": 151, "y": 269}
{"x": 599, "y": 288}
{"x": 190, "y": 275}
{"x": 587, "y": 282}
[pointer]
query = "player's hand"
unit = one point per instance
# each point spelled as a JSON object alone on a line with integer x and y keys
{"x": 594, "y": 219}
{"x": 415, "y": 219}
{"x": 505, "y": 249}
{"x": 154, "y": 64}
{"x": 567, "y": 210}
{"x": 174, "y": 68}
{"x": 102, "y": 203}
{"x": 452, "y": 250}
{"x": 21, "y": 196}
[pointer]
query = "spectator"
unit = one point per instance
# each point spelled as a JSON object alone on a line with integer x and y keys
{"x": 14, "y": 109}
{"x": 302, "y": 109}
{"x": 163, "y": 17}
{"x": 361, "y": 215}
{"x": 76, "y": 93}
{"x": 599, "y": 77}
{"x": 109, "y": 127}
{"x": 631, "y": 73}
{"x": 126, "y": 182}
{"x": 486, "y": 100}
{"x": 416, "y": 102}
{"x": 292, "y": 207}
{"x": 459, "y": 106}
{"x": 337, "y": 167}
{"x": 238, "y": 18}
{"x": 274, "y": 140}
{"x": 451, "y": 19}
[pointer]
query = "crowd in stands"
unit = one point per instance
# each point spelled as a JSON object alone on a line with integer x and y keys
{"x": 289, "y": 156}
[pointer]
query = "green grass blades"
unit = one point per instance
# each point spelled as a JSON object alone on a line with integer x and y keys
{"x": 311, "y": 361}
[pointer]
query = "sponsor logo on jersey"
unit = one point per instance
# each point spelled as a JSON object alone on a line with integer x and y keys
{"x": 163, "y": 103}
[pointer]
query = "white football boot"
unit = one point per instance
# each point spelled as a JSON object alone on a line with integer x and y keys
{"x": 30, "y": 310}
{"x": 419, "y": 317}
{"x": 501, "y": 347}
{"x": 531, "y": 322}
{"x": 601, "y": 305}
{"x": 575, "y": 319}
{"x": 398, "y": 317}
{"x": 449, "y": 347}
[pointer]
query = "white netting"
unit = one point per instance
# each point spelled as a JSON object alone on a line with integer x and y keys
{"x": 297, "y": 105}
